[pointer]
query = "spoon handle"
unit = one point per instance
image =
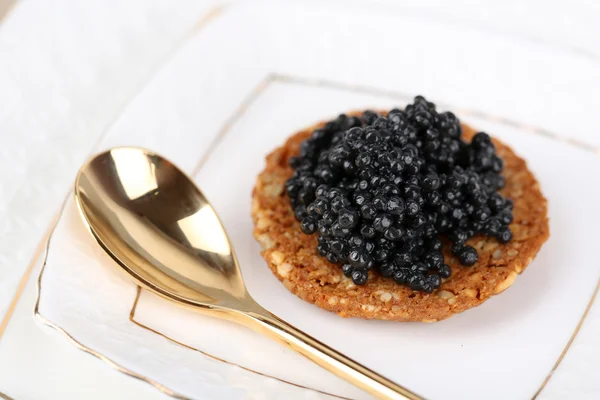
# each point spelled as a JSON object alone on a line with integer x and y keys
{"x": 328, "y": 358}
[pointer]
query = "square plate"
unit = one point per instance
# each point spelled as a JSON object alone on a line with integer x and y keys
{"x": 291, "y": 77}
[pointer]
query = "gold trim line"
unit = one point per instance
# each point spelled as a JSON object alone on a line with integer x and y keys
{"x": 5, "y": 396}
{"x": 6, "y": 7}
{"x": 141, "y": 325}
{"x": 568, "y": 346}
{"x": 25, "y": 278}
{"x": 393, "y": 94}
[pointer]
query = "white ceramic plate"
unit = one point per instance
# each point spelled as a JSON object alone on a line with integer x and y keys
{"x": 231, "y": 95}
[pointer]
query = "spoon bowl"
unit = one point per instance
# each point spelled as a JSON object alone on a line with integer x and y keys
{"x": 152, "y": 219}
{"x": 157, "y": 225}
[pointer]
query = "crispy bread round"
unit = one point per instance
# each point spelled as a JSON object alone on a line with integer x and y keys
{"x": 293, "y": 258}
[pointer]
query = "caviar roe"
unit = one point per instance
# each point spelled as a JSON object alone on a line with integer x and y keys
{"x": 381, "y": 191}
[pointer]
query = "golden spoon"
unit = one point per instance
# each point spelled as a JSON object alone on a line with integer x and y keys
{"x": 158, "y": 226}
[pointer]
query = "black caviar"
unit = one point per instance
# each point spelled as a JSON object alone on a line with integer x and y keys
{"x": 381, "y": 191}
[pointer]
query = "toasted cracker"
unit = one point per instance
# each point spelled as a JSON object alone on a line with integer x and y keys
{"x": 293, "y": 257}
